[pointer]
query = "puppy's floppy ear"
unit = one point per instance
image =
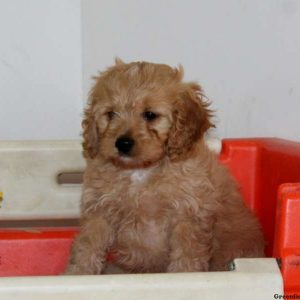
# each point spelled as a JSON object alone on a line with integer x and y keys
{"x": 191, "y": 119}
{"x": 90, "y": 134}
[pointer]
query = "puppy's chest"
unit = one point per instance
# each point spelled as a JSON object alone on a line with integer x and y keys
{"x": 137, "y": 187}
{"x": 146, "y": 193}
{"x": 148, "y": 233}
{"x": 145, "y": 213}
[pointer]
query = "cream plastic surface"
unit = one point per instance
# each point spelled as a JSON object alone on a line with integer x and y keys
{"x": 257, "y": 279}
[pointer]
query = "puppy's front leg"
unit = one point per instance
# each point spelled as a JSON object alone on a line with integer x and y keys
{"x": 191, "y": 247}
{"x": 88, "y": 254}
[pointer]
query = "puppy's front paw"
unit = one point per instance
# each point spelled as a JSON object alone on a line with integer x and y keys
{"x": 88, "y": 253}
{"x": 73, "y": 270}
{"x": 188, "y": 265}
{"x": 86, "y": 265}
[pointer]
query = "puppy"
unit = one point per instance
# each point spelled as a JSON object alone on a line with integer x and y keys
{"x": 154, "y": 196}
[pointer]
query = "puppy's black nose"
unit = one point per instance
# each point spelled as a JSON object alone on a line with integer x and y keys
{"x": 124, "y": 144}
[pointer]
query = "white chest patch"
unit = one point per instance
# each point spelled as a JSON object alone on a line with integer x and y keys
{"x": 139, "y": 176}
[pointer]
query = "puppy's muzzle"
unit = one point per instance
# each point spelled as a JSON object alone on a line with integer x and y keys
{"x": 124, "y": 144}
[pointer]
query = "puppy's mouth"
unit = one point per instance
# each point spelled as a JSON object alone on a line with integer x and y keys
{"x": 133, "y": 161}
{"x": 130, "y": 161}
{"x": 125, "y": 158}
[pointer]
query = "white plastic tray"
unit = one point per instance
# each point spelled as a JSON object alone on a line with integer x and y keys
{"x": 257, "y": 279}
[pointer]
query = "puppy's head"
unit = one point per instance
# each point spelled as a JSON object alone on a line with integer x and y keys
{"x": 139, "y": 113}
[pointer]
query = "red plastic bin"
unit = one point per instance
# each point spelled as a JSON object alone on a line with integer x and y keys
{"x": 268, "y": 173}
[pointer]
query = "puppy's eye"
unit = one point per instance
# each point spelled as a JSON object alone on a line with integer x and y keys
{"x": 111, "y": 114}
{"x": 149, "y": 115}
